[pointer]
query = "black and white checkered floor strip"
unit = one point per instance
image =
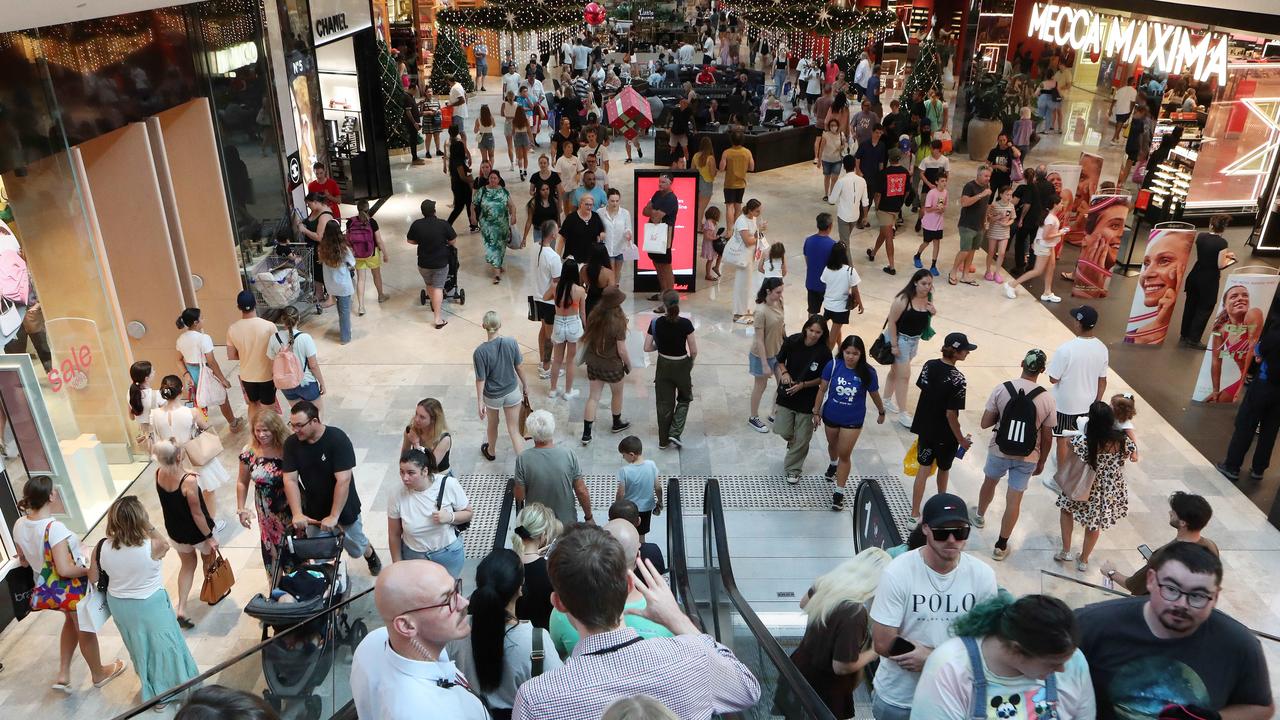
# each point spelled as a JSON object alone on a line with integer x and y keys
{"x": 737, "y": 492}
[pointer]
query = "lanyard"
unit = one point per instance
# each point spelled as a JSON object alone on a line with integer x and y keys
{"x": 615, "y": 648}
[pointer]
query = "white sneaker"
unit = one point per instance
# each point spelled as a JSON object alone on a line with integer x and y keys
{"x": 1010, "y": 291}
{"x": 890, "y": 407}
{"x": 553, "y": 394}
{"x": 1050, "y": 298}
{"x": 904, "y": 419}
{"x": 571, "y": 394}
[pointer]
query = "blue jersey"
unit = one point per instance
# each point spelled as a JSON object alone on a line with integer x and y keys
{"x": 846, "y": 399}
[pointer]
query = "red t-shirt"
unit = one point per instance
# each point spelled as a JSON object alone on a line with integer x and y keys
{"x": 328, "y": 187}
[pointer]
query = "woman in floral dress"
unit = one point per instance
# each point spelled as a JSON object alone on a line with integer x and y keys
{"x": 1104, "y": 448}
{"x": 260, "y": 464}
{"x": 496, "y": 214}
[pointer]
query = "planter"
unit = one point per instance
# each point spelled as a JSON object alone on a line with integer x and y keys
{"x": 982, "y": 136}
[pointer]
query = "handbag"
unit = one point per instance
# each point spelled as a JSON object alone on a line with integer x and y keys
{"x": 533, "y": 309}
{"x": 203, "y": 448}
{"x": 735, "y": 252}
{"x": 218, "y": 580}
{"x": 1016, "y": 174}
{"x": 209, "y": 392}
{"x": 525, "y": 411}
{"x": 881, "y": 351}
{"x": 21, "y": 582}
{"x": 10, "y": 318}
{"x": 104, "y": 581}
{"x": 655, "y": 238}
{"x": 1074, "y": 477}
{"x": 56, "y": 592}
{"x": 444, "y": 480}
{"x": 92, "y": 612}
{"x": 516, "y": 240}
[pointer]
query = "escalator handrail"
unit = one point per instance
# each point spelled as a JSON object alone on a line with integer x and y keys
{"x": 677, "y": 559}
{"x": 200, "y": 679}
{"x": 812, "y": 705}
{"x": 504, "y": 516}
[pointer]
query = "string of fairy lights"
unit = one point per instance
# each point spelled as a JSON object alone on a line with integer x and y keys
{"x": 812, "y": 28}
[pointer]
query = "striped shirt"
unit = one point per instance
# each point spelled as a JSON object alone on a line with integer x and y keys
{"x": 692, "y": 675}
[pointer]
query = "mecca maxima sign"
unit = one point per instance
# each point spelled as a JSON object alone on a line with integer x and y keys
{"x": 1169, "y": 47}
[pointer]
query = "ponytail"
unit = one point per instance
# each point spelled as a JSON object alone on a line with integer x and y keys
{"x": 362, "y": 209}
{"x": 138, "y": 374}
{"x": 498, "y": 579}
{"x": 188, "y": 318}
{"x": 767, "y": 287}
{"x": 36, "y": 493}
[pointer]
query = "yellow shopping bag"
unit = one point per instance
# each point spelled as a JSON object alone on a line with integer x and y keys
{"x": 910, "y": 464}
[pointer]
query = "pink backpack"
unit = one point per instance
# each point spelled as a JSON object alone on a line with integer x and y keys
{"x": 360, "y": 236}
{"x": 286, "y": 372}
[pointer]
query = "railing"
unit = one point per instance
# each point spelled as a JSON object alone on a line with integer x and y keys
{"x": 783, "y": 690}
{"x": 504, "y": 516}
{"x": 303, "y": 671}
{"x": 677, "y": 553}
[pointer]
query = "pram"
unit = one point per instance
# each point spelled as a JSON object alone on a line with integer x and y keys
{"x": 309, "y": 579}
{"x": 451, "y": 289}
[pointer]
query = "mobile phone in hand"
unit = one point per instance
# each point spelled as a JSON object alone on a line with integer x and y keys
{"x": 900, "y": 646}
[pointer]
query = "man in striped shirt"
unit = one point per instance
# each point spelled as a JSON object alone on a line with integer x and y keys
{"x": 691, "y": 674}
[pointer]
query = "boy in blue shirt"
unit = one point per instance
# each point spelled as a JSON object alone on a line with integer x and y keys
{"x": 638, "y": 482}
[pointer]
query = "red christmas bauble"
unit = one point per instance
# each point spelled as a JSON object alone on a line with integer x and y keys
{"x": 593, "y": 14}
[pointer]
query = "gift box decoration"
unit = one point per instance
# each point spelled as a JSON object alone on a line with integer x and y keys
{"x": 629, "y": 113}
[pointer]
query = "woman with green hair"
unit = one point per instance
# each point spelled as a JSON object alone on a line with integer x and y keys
{"x": 1010, "y": 658}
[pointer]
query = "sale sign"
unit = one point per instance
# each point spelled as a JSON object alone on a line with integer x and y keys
{"x": 684, "y": 246}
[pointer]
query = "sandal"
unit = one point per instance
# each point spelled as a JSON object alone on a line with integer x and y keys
{"x": 484, "y": 450}
{"x": 185, "y": 623}
{"x": 120, "y": 666}
{"x": 64, "y": 687}
{"x": 1062, "y": 557}
{"x": 1069, "y": 277}
{"x": 967, "y": 281}
{"x": 951, "y": 279}
{"x": 440, "y": 325}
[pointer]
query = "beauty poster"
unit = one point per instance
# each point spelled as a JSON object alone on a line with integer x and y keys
{"x": 1078, "y": 208}
{"x": 1234, "y": 329}
{"x": 1064, "y": 177}
{"x": 1104, "y": 228}
{"x": 1164, "y": 268}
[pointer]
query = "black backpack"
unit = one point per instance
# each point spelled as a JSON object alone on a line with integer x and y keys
{"x": 1017, "y": 435}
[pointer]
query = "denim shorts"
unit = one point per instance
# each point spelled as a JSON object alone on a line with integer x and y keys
{"x": 450, "y": 556}
{"x": 354, "y": 540}
{"x": 310, "y": 391}
{"x": 567, "y": 328}
{"x": 756, "y": 369}
{"x": 1019, "y": 470}
{"x": 832, "y": 168}
{"x": 908, "y": 346}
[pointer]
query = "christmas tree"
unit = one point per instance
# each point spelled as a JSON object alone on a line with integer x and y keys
{"x": 450, "y": 60}
{"x": 926, "y": 72}
{"x": 394, "y": 98}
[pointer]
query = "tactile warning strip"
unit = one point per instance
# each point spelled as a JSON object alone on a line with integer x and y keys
{"x": 737, "y": 492}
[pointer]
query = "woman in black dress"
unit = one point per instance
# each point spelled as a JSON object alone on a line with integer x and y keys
{"x": 1202, "y": 282}
{"x": 536, "y": 528}
{"x": 458, "y": 166}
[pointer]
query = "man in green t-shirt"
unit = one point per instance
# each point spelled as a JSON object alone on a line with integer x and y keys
{"x": 565, "y": 636}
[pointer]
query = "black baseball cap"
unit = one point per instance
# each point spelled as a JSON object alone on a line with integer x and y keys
{"x": 958, "y": 341}
{"x": 246, "y": 301}
{"x": 1085, "y": 315}
{"x": 944, "y": 508}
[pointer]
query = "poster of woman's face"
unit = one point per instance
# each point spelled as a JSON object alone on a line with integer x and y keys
{"x": 1104, "y": 229}
{"x": 1163, "y": 266}
{"x": 1237, "y": 325}
{"x": 1086, "y": 186}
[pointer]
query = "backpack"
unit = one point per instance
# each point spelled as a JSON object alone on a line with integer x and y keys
{"x": 286, "y": 372}
{"x": 1017, "y": 435}
{"x": 360, "y": 236}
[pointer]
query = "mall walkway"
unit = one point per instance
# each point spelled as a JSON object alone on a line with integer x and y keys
{"x": 396, "y": 358}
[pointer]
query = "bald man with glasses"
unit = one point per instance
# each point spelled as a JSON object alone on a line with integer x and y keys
{"x": 401, "y": 670}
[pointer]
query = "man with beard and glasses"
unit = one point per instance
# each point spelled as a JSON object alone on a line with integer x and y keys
{"x": 920, "y": 594}
{"x": 1171, "y": 654}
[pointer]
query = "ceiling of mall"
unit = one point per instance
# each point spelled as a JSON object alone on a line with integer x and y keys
{"x": 24, "y": 14}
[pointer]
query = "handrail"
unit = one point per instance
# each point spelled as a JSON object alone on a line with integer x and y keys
{"x": 1112, "y": 591}
{"x": 504, "y": 516}
{"x": 677, "y": 559}
{"x": 198, "y": 680}
{"x": 813, "y": 705}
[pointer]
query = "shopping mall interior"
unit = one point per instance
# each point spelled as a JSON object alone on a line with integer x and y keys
{"x": 162, "y": 177}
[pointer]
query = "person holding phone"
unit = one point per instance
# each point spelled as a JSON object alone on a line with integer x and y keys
{"x": 921, "y": 594}
{"x": 1188, "y": 515}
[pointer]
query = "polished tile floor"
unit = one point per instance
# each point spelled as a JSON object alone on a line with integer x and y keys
{"x": 397, "y": 357}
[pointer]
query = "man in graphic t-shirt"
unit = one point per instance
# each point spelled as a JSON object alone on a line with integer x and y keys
{"x": 1078, "y": 371}
{"x": 799, "y": 373}
{"x": 937, "y": 419}
{"x": 921, "y": 593}
{"x": 1172, "y": 647}
{"x": 893, "y": 191}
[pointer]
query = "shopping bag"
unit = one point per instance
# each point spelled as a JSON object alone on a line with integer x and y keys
{"x": 911, "y": 464}
{"x": 525, "y": 411}
{"x": 209, "y": 392}
{"x": 218, "y": 580}
{"x": 92, "y": 612}
{"x": 1074, "y": 477}
{"x": 516, "y": 241}
{"x": 630, "y": 253}
{"x": 10, "y": 317}
{"x": 655, "y": 238}
{"x": 735, "y": 252}
{"x": 21, "y": 582}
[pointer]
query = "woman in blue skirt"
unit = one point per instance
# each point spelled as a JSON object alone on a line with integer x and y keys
{"x": 130, "y": 556}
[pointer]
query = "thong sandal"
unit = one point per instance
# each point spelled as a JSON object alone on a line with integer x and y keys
{"x": 62, "y": 687}
{"x": 440, "y": 325}
{"x": 969, "y": 282}
{"x": 951, "y": 279}
{"x": 185, "y": 623}
{"x": 120, "y": 666}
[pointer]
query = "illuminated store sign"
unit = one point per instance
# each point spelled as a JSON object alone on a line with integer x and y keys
{"x": 1170, "y": 47}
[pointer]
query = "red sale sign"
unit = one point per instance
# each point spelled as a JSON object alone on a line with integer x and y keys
{"x": 684, "y": 248}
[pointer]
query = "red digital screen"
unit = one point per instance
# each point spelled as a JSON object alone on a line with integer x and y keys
{"x": 684, "y": 248}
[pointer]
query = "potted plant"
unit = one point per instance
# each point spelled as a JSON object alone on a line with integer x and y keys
{"x": 987, "y": 105}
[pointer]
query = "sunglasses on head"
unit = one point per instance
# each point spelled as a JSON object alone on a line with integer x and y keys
{"x": 942, "y": 534}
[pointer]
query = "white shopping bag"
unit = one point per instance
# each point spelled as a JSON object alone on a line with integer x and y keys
{"x": 655, "y": 238}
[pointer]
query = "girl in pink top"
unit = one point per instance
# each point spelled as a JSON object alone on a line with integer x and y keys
{"x": 710, "y": 232}
{"x": 935, "y": 205}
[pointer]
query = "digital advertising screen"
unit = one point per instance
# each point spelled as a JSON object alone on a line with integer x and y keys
{"x": 684, "y": 249}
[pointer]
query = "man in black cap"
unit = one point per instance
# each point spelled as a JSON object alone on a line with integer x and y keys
{"x": 1078, "y": 372}
{"x": 1023, "y": 415}
{"x": 252, "y": 340}
{"x": 920, "y": 594}
{"x": 937, "y": 419}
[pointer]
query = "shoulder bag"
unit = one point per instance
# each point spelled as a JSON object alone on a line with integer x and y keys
{"x": 536, "y": 656}
{"x": 735, "y": 251}
{"x": 201, "y": 449}
{"x": 444, "y": 481}
{"x": 209, "y": 392}
{"x": 1074, "y": 477}
{"x": 52, "y": 591}
{"x": 881, "y": 351}
{"x": 218, "y": 580}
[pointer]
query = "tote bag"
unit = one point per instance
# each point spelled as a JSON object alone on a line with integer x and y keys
{"x": 209, "y": 392}
{"x": 735, "y": 251}
{"x": 655, "y": 238}
{"x": 52, "y": 591}
{"x": 1074, "y": 477}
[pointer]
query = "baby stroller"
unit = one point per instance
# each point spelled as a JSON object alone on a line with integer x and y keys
{"x": 310, "y": 578}
{"x": 451, "y": 289}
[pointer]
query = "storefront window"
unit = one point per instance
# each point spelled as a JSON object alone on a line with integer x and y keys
{"x": 1240, "y": 134}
